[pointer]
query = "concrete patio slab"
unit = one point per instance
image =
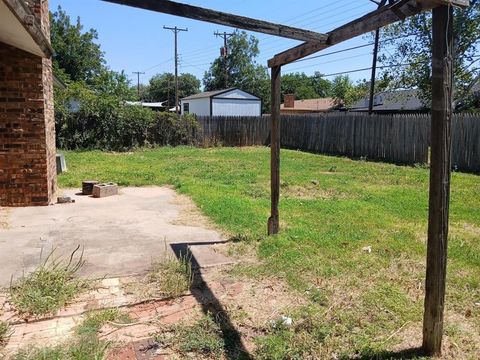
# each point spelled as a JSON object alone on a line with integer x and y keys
{"x": 121, "y": 235}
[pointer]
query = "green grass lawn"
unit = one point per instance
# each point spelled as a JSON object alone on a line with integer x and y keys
{"x": 330, "y": 209}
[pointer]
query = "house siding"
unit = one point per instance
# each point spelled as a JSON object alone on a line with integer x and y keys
{"x": 236, "y": 107}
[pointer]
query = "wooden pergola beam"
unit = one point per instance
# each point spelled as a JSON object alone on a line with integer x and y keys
{"x": 222, "y": 18}
{"x": 386, "y": 15}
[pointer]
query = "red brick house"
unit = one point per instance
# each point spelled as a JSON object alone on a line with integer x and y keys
{"x": 27, "y": 124}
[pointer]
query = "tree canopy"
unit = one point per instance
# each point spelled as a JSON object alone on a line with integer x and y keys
{"x": 242, "y": 68}
{"x": 410, "y": 60}
{"x": 162, "y": 87}
{"x": 77, "y": 56}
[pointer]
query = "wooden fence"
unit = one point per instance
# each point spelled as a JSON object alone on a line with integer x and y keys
{"x": 401, "y": 139}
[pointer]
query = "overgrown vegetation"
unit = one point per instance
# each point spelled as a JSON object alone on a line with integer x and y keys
{"x": 202, "y": 339}
{"x": 50, "y": 287}
{"x": 170, "y": 277}
{"x": 369, "y": 302}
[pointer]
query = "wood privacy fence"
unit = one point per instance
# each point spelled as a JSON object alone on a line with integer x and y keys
{"x": 401, "y": 139}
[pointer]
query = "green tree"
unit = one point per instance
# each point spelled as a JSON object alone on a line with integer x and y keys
{"x": 77, "y": 56}
{"x": 412, "y": 43}
{"x": 162, "y": 87}
{"x": 243, "y": 71}
{"x": 344, "y": 89}
{"x": 306, "y": 87}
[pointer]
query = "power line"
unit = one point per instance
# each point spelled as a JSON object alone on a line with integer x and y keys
{"x": 138, "y": 80}
{"x": 224, "y": 53}
{"x": 175, "y": 31}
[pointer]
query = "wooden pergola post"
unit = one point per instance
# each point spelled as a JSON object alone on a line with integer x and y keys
{"x": 273, "y": 221}
{"x": 442, "y": 83}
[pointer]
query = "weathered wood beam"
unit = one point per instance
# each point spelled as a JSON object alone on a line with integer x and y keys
{"x": 273, "y": 221}
{"x": 31, "y": 24}
{"x": 442, "y": 100}
{"x": 374, "y": 20}
{"x": 217, "y": 17}
{"x": 458, "y": 3}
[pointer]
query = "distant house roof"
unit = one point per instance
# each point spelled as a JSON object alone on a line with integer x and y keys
{"x": 211, "y": 94}
{"x": 308, "y": 105}
{"x": 397, "y": 100}
{"x": 147, "y": 104}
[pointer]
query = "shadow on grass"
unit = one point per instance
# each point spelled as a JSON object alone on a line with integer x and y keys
{"x": 412, "y": 353}
{"x": 234, "y": 347}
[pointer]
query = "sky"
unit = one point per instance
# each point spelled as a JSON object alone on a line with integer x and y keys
{"x": 134, "y": 39}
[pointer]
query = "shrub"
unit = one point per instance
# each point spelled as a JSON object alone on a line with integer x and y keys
{"x": 103, "y": 121}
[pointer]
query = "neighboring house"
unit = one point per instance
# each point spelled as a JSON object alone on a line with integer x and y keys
{"x": 229, "y": 102}
{"x": 308, "y": 106}
{"x": 397, "y": 101}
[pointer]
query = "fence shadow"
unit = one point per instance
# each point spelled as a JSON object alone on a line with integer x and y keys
{"x": 234, "y": 347}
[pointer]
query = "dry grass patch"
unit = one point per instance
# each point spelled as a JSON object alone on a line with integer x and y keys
{"x": 311, "y": 191}
{"x": 168, "y": 278}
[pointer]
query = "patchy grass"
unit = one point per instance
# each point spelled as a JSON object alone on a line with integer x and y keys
{"x": 85, "y": 348}
{"x": 4, "y": 333}
{"x": 48, "y": 288}
{"x": 170, "y": 277}
{"x": 330, "y": 209}
{"x": 203, "y": 339}
{"x": 85, "y": 344}
{"x": 96, "y": 319}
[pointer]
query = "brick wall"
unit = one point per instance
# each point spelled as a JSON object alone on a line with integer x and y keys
{"x": 27, "y": 124}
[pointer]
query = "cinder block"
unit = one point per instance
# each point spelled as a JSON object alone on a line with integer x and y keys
{"x": 87, "y": 186}
{"x": 104, "y": 190}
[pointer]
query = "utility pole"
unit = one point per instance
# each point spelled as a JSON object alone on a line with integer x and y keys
{"x": 176, "y": 30}
{"x": 224, "y": 53}
{"x": 375, "y": 57}
{"x": 138, "y": 80}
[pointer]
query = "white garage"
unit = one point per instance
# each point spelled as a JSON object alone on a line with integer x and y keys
{"x": 228, "y": 102}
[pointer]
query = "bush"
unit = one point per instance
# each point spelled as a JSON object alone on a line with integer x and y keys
{"x": 103, "y": 122}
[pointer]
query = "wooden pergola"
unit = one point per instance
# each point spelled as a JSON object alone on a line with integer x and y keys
{"x": 442, "y": 84}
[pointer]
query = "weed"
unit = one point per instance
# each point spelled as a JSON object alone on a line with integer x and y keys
{"x": 171, "y": 277}
{"x": 203, "y": 338}
{"x": 96, "y": 319}
{"x": 5, "y": 333}
{"x": 84, "y": 348}
{"x": 48, "y": 288}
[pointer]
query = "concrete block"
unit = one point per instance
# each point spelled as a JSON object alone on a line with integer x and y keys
{"x": 104, "y": 190}
{"x": 87, "y": 186}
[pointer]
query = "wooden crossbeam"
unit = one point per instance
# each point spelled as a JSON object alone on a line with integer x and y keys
{"x": 384, "y": 16}
{"x": 217, "y": 17}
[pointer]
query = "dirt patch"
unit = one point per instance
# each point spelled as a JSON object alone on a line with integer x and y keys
{"x": 310, "y": 192}
{"x": 470, "y": 228}
{"x": 190, "y": 214}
